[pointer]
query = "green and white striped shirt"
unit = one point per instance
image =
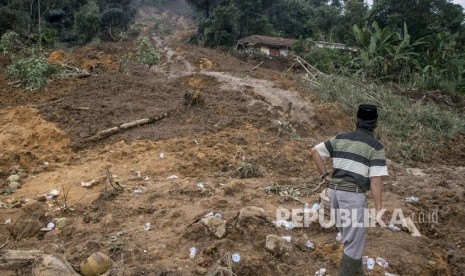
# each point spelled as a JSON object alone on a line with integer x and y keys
{"x": 357, "y": 156}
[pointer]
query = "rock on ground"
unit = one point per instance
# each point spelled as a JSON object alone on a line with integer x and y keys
{"x": 216, "y": 226}
{"x": 276, "y": 245}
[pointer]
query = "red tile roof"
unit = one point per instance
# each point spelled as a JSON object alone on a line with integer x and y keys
{"x": 267, "y": 40}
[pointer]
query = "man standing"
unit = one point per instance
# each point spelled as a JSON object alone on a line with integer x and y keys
{"x": 358, "y": 164}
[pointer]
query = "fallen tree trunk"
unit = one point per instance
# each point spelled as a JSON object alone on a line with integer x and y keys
{"x": 40, "y": 264}
{"x": 111, "y": 131}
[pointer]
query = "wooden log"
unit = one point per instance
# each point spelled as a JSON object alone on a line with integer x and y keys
{"x": 111, "y": 131}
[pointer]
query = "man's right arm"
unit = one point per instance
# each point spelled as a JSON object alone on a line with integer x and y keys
{"x": 376, "y": 184}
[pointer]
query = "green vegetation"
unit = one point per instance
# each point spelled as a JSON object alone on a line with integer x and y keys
{"x": 412, "y": 43}
{"x": 33, "y": 72}
{"x": 412, "y": 130}
{"x": 67, "y": 21}
{"x": 28, "y": 67}
{"x": 146, "y": 52}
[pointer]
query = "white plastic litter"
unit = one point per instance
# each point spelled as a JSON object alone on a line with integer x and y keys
{"x": 162, "y": 155}
{"x": 201, "y": 186}
{"x": 316, "y": 207}
{"x": 370, "y": 263}
{"x": 412, "y": 199}
{"x": 320, "y": 272}
{"x": 146, "y": 178}
{"x": 382, "y": 262}
{"x": 46, "y": 164}
{"x": 208, "y": 215}
{"x": 392, "y": 227}
{"x": 89, "y": 183}
{"x": 218, "y": 215}
{"x": 236, "y": 257}
{"x": 287, "y": 238}
{"x": 8, "y": 221}
{"x": 147, "y": 226}
{"x": 193, "y": 252}
{"x": 288, "y": 225}
{"x": 338, "y": 237}
{"x": 172, "y": 177}
{"x": 51, "y": 225}
{"x": 53, "y": 193}
{"x": 310, "y": 244}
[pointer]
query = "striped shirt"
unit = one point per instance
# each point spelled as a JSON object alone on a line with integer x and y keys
{"x": 357, "y": 156}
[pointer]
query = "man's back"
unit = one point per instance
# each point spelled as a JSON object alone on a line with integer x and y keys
{"x": 357, "y": 156}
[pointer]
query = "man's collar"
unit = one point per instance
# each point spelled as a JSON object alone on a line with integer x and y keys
{"x": 365, "y": 131}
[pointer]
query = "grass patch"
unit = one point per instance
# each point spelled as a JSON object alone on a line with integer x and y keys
{"x": 410, "y": 130}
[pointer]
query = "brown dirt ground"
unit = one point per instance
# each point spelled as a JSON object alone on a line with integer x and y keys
{"x": 206, "y": 144}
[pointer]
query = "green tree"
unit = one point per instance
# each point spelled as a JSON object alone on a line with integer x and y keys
{"x": 88, "y": 21}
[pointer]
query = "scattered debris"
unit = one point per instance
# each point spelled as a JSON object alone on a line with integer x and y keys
{"x": 147, "y": 226}
{"x": 53, "y": 193}
{"x": 62, "y": 223}
{"x": 283, "y": 190}
{"x": 35, "y": 262}
{"x": 288, "y": 225}
{"x": 97, "y": 264}
{"x": 193, "y": 252}
{"x": 172, "y": 177}
{"x": 407, "y": 222}
{"x": 412, "y": 199}
{"x": 247, "y": 170}
{"x": 382, "y": 262}
{"x": 236, "y": 257}
{"x": 370, "y": 263}
{"x": 393, "y": 228}
{"x": 89, "y": 183}
{"x": 285, "y": 127}
{"x": 320, "y": 272}
{"x": 8, "y": 221}
{"x": 310, "y": 245}
{"x": 200, "y": 186}
{"x": 416, "y": 172}
{"x": 162, "y": 156}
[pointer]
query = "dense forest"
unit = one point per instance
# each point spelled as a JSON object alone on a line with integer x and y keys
{"x": 415, "y": 42}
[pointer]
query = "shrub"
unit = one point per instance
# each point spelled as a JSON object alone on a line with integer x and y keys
{"x": 10, "y": 43}
{"x": 146, "y": 53}
{"x": 33, "y": 72}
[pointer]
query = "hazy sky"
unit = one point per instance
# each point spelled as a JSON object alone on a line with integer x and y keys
{"x": 461, "y": 2}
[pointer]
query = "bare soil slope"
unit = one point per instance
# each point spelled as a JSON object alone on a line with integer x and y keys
{"x": 252, "y": 121}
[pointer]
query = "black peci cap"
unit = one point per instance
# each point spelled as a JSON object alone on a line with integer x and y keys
{"x": 367, "y": 112}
